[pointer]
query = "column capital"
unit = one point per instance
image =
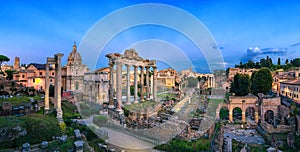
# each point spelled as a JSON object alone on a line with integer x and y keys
{"x": 111, "y": 64}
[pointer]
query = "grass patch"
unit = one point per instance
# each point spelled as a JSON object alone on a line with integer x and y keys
{"x": 176, "y": 145}
{"x": 59, "y": 146}
{"x": 19, "y": 100}
{"x": 167, "y": 95}
{"x": 38, "y": 127}
{"x": 212, "y": 106}
{"x": 141, "y": 105}
{"x": 238, "y": 146}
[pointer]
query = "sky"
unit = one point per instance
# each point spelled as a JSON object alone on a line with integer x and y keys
{"x": 34, "y": 30}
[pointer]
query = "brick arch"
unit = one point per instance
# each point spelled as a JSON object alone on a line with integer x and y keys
{"x": 248, "y": 109}
{"x": 266, "y": 114}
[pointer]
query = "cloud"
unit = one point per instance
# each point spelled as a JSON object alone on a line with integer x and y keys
{"x": 255, "y": 53}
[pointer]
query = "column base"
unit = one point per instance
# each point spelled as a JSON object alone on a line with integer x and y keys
{"x": 136, "y": 101}
{"x": 128, "y": 103}
{"x": 111, "y": 106}
{"x": 46, "y": 111}
{"x": 59, "y": 114}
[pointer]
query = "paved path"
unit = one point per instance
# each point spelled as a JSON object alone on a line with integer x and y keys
{"x": 123, "y": 140}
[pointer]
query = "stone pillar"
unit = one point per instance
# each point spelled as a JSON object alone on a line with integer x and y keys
{"x": 58, "y": 86}
{"x": 142, "y": 83}
{"x": 243, "y": 116}
{"x": 230, "y": 115}
{"x": 256, "y": 116}
{"x": 111, "y": 86}
{"x": 128, "y": 84}
{"x": 119, "y": 87}
{"x": 147, "y": 83}
{"x": 135, "y": 84}
{"x": 154, "y": 82}
{"x": 47, "y": 88}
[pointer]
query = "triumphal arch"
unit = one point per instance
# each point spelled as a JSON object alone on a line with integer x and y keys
{"x": 131, "y": 59}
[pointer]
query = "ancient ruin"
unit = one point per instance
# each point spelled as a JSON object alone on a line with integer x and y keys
{"x": 57, "y": 92}
{"x": 129, "y": 59}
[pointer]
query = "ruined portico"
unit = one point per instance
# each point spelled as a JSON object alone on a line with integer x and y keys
{"x": 130, "y": 59}
{"x": 57, "y": 92}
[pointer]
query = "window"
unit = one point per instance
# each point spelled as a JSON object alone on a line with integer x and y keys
{"x": 50, "y": 80}
{"x": 33, "y": 80}
{"x": 76, "y": 85}
{"x": 53, "y": 73}
{"x": 23, "y": 76}
{"x": 41, "y": 73}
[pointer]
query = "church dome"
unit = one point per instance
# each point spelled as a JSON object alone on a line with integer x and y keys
{"x": 74, "y": 57}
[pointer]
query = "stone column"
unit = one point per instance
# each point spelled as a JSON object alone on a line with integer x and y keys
{"x": 147, "y": 83}
{"x": 119, "y": 87}
{"x": 154, "y": 82}
{"x": 111, "y": 85}
{"x": 230, "y": 115}
{"x": 243, "y": 116}
{"x": 135, "y": 84}
{"x": 58, "y": 87}
{"x": 128, "y": 84}
{"x": 142, "y": 83}
{"x": 47, "y": 88}
{"x": 256, "y": 116}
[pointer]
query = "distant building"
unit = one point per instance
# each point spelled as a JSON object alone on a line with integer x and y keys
{"x": 96, "y": 86}
{"x": 34, "y": 76}
{"x": 17, "y": 63}
{"x": 290, "y": 89}
{"x": 73, "y": 72}
{"x": 167, "y": 77}
{"x": 279, "y": 77}
{"x": 209, "y": 79}
{"x": 233, "y": 71}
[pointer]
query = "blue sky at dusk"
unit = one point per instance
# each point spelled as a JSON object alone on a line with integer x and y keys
{"x": 34, "y": 30}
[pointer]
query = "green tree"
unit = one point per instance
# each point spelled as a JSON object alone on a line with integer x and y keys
{"x": 278, "y": 61}
{"x": 9, "y": 74}
{"x": 286, "y": 61}
{"x": 240, "y": 85}
{"x": 296, "y": 62}
{"x": 3, "y": 58}
{"x": 261, "y": 81}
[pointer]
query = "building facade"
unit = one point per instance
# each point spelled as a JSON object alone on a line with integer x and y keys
{"x": 34, "y": 76}
{"x": 167, "y": 77}
{"x": 73, "y": 72}
{"x": 290, "y": 89}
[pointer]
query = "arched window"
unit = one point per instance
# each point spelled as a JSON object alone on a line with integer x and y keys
{"x": 76, "y": 85}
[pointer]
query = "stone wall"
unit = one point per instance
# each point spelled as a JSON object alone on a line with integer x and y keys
{"x": 11, "y": 133}
{"x": 279, "y": 129}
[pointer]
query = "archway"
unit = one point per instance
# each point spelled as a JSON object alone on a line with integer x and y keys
{"x": 76, "y": 85}
{"x": 224, "y": 113}
{"x": 237, "y": 114}
{"x": 250, "y": 113}
{"x": 269, "y": 116}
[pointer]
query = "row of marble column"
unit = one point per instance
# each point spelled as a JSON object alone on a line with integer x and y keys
{"x": 57, "y": 91}
{"x": 119, "y": 84}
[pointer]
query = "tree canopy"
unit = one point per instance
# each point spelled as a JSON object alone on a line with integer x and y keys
{"x": 3, "y": 58}
{"x": 261, "y": 81}
{"x": 240, "y": 85}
